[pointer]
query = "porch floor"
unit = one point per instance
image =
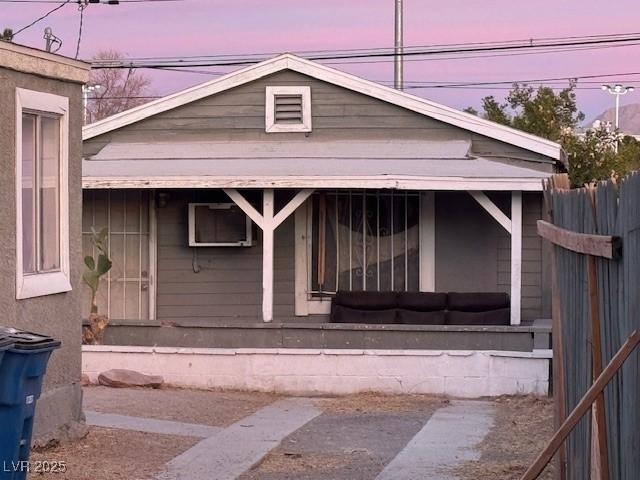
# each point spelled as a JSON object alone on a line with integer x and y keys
{"x": 321, "y": 335}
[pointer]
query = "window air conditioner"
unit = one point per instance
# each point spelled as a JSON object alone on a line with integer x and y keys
{"x": 218, "y": 225}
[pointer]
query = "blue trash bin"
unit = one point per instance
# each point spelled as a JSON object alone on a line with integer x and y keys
{"x": 22, "y": 371}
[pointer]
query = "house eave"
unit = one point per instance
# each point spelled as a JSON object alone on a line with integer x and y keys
{"x": 371, "y": 182}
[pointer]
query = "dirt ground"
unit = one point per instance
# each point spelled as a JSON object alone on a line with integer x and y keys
{"x": 108, "y": 454}
{"x": 353, "y": 439}
{"x": 522, "y": 427}
{"x": 214, "y": 408}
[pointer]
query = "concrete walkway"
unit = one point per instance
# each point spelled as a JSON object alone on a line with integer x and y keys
{"x": 231, "y": 452}
{"x": 447, "y": 440}
{"x": 150, "y": 425}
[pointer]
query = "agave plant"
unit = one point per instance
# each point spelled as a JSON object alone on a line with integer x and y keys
{"x": 96, "y": 267}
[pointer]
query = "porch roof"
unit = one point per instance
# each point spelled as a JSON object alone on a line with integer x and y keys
{"x": 427, "y": 165}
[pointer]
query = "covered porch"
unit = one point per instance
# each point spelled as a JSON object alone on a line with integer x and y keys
{"x": 409, "y": 216}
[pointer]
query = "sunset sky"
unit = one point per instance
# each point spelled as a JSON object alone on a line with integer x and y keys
{"x": 208, "y": 27}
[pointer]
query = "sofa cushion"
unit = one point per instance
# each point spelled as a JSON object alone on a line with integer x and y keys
{"x": 366, "y": 300}
{"x": 477, "y": 301}
{"x": 411, "y": 317}
{"x": 422, "y": 301}
{"x": 500, "y": 316}
{"x": 342, "y": 314}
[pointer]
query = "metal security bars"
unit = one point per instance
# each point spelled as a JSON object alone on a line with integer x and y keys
{"x": 364, "y": 240}
{"x": 125, "y": 294}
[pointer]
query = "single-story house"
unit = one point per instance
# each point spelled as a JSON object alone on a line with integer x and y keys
{"x": 248, "y": 215}
{"x": 40, "y": 219}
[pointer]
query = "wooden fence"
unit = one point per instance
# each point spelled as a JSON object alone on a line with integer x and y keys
{"x": 596, "y": 309}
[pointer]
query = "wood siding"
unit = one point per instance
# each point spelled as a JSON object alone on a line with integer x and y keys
{"x": 228, "y": 285}
{"x": 337, "y": 114}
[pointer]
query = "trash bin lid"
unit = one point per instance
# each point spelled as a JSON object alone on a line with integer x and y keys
{"x": 5, "y": 342}
{"x": 22, "y": 340}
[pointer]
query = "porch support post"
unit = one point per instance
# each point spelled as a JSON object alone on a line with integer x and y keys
{"x": 267, "y": 255}
{"x": 512, "y": 225}
{"x": 268, "y": 222}
{"x": 516, "y": 256}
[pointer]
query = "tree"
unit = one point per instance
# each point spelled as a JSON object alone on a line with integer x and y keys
{"x": 539, "y": 111}
{"x": 601, "y": 153}
{"x": 120, "y": 89}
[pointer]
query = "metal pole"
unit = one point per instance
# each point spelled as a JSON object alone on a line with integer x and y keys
{"x": 85, "y": 104}
{"x": 398, "y": 80}
{"x": 617, "y": 110}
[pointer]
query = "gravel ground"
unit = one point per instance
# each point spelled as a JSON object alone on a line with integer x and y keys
{"x": 522, "y": 428}
{"x": 214, "y": 408}
{"x": 107, "y": 454}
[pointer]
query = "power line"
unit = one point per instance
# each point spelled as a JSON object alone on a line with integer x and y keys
{"x": 79, "y": 1}
{"x": 41, "y": 18}
{"x": 81, "y": 7}
{"x": 508, "y": 46}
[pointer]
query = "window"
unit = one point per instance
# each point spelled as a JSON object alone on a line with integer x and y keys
{"x": 42, "y": 232}
{"x": 127, "y": 291}
{"x": 365, "y": 240}
{"x": 288, "y": 109}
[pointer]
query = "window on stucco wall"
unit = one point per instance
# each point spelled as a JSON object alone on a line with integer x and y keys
{"x": 42, "y": 231}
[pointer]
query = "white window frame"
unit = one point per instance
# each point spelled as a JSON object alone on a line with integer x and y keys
{"x": 307, "y": 304}
{"x": 46, "y": 283}
{"x": 270, "y": 116}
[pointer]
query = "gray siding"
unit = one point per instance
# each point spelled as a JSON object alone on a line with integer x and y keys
{"x": 337, "y": 114}
{"x": 472, "y": 249}
{"x": 228, "y": 286}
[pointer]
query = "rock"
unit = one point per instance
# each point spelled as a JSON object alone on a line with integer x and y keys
{"x": 85, "y": 380}
{"x": 120, "y": 378}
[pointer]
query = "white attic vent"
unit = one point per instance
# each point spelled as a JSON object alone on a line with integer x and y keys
{"x": 288, "y": 109}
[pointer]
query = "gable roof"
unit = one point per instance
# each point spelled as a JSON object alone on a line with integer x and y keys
{"x": 288, "y": 61}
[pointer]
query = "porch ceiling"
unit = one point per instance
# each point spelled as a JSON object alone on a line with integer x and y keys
{"x": 445, "y": 165}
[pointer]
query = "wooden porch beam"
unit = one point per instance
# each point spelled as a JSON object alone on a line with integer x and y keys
{"x": 513, "y": 226}
{"x": 245, "y": 206}
{"x": 491, "y": 208}
{"x": 267, "y": 254}
{"x": 292, "y": 206}
{"x": 268, "y": 222}
{"x": 516, "y": 257}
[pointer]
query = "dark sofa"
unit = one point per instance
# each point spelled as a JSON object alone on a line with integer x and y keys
{"x": 421, "y": 308}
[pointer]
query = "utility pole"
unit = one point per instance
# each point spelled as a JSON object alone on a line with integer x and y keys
{"x": 398, "y": 77}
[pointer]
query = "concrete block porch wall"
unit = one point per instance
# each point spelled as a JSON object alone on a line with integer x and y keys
{"x": 456, "y": 373}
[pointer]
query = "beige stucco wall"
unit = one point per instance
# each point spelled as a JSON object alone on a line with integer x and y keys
{"x": 59, "y": 408}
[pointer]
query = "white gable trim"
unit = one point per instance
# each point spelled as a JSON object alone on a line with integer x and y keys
{"x": 321, "y": 72}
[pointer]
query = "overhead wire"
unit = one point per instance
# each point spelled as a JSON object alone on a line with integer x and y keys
{"x": 41, "y": 18}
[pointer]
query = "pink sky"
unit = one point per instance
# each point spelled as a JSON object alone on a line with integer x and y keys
{"x": 208, "y": 27}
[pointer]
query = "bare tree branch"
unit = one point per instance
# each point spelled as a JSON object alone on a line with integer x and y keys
{"x": 121, "y": 90}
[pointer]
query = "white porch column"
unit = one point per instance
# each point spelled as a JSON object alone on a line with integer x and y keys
{"x": 516, "y": 257}
{"x": 267, "y": 255}
{"x": 268, "y": 222}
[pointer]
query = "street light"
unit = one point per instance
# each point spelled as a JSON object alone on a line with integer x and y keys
{"x": 86, "y": 89}
{"x": 617, "y": 90}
